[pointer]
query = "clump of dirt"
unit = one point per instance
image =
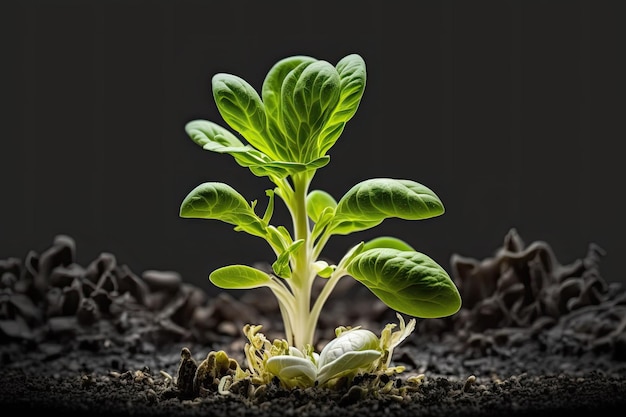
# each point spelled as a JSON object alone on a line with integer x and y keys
{"x": 524, "y": 293}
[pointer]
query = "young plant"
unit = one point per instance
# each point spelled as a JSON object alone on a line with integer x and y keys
{"x": 303, "y": 108}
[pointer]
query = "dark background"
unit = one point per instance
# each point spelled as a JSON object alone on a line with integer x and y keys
{"x": 511, "y": 111}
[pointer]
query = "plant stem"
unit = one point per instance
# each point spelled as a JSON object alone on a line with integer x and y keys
{"x": 321, "y": 299}
{"x": 302, "y": 276}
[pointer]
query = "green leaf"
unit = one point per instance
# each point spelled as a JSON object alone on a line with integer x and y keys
{"x": 239, "y": 277}
{"x": 269, "y": 210}
{"x": 272, "y": 99}
{"x": 321, "y": 222}
{"x": 241, "y": 107}
{"x": 349, "y": 353}
{"x": 215, "y": 138}
{"x": 407, "y": 281}
{"x": 346, "y": 227}
{"x": 273, "y": 83}
{"x": 292, "y": 371}
{"x": 387, "y": 242}
{"x": 309, "y": 96}
{"x": 317, "y": 201}
{"x": 308, "y": 102}
{"x": 368, "y": 203}
{"x": 348, "y": 341}
{"x": 204, "y": 132}
{"x": 352, "y": 74}
{"x": 281, "y": 266}
{"x": 352, "y": 253}
{"x": 219, "y": 201}
{"x": 279, "y": 237}
{"x": 323, "y": 269}
{"x": 348, "y": 364}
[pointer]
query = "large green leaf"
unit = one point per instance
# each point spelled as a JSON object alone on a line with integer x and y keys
{"x": 370, "y": 202}
{"x": 407, "y": 281}
{"x": 272, "y": 99}
{"x": 219, "y": 201}
{"x": 309, "y": 95}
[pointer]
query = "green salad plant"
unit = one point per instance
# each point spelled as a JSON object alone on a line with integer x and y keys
{"x": 290, "y": 128}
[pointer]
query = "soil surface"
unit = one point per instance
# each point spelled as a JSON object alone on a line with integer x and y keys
{"x": 534, "y": 337}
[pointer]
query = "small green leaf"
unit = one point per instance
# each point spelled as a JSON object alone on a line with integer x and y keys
{"x": 269, "y": 210}
{"x": 370, "y": 202}
{"x": 204, "y": 132}
{"x": 239, "y": 277}
{"x": 317, "y": 201}
{"x": 323, "y": 220}
{"x": 279, "y": 237}
{"x": 281, "y": 266}
{"x": 349, "y": 353}
{"x": 323, "y": 269}
{"x": 215, "y": 138}
{"x": 348, "y": 341}
{"x": 293, "y": 371}
{"x": 408, "y": 282}
{"x": 348, "y": 364}
{"x": 219, "y": 201}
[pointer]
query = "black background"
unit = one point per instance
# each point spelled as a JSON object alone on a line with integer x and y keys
{"x": 511, "y": 111}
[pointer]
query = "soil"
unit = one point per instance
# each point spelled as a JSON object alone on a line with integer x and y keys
{"x": 534, "y": 337}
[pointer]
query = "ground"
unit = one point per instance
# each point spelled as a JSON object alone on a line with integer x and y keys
{"x": 534, "y": 337}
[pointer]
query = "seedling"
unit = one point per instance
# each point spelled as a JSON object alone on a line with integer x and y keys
{"x": 303, "y": 108}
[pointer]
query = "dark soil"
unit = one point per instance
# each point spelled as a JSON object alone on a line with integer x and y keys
{"x": 534, "y": 337}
